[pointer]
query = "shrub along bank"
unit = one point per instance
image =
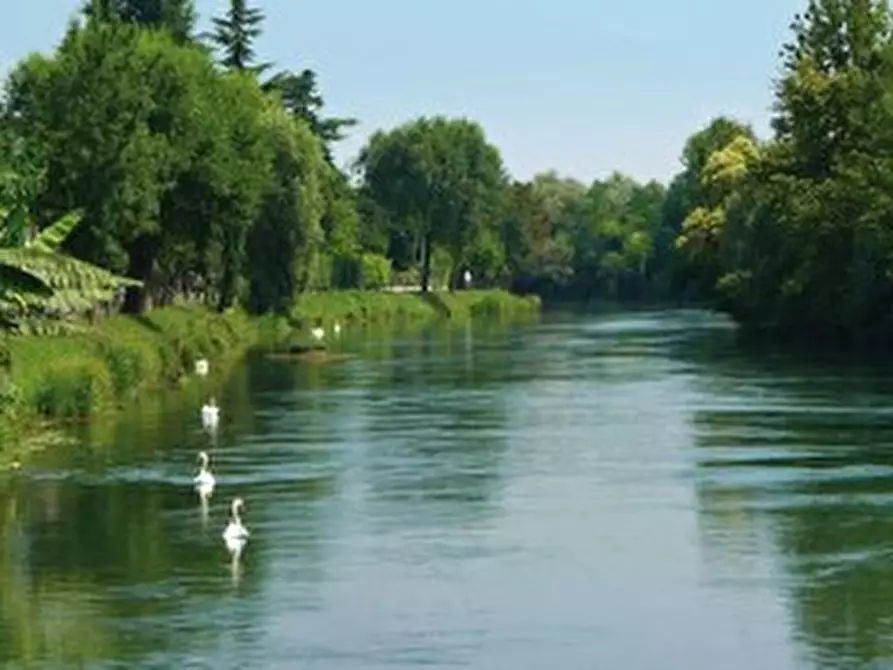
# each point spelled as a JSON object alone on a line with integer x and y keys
{"x": 374, "y": 307}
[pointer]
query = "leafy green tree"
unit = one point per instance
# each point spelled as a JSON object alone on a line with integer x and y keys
{"x": 725, "y": 182}
{"x": 585, "y": 242}
{"x": 823, "y": 177}
{"x": 561, "y": 201}
{"x": 289, "y": 231}
{"x": 538, "y": 257}
{"x": 176, "y": 16}
{"x": 684, "y": 195}
{"x": 301, "y": 97}
{"x": 165, "y": 155}
{"x": 827, "y": 167}
{"x": 440, "y": 183}
{"x": 37, "y": 281}
{"x": 600, "y": 233}
{"x": 91, "y": 115}
{"x": 827, "y": 99}
{"x": 793, "y": 235}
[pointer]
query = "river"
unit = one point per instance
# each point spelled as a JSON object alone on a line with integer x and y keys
{"x": 631, "y": 490}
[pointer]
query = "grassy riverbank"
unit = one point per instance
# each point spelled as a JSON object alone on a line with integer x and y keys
{"x": 385, "y": 307}
{"x": 77, "y": 376}
{"x": 80, "y": 374}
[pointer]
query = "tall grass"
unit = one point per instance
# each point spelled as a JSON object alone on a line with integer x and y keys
{"x": 76, "y": 375}
{"x": 375, "y": 307}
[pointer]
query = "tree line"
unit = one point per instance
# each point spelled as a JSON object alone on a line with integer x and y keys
{"x": 793, "y": 234}
{"x": 199, "y": 170}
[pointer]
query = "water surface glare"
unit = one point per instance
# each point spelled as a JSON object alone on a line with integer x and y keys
{"x": 631, "y": 490}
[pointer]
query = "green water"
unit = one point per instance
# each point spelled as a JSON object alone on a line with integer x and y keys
{"x": 630, "y": 491}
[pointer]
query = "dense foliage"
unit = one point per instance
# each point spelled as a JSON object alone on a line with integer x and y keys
{"x": 796, "y": 233}
{"x": 38, "y": 283}
{"x": 204, "y": 179}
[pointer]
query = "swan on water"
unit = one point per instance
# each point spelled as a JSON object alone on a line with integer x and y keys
{"x": 204, "y": 480}
{"x": 202, "y": 367}
{"x": 210, "y": 414}
{"x": 236, "y": 535}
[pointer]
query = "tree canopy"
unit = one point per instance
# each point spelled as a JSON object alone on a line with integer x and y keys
{"x": 199, "y": 177}
{"x": 792, "y": 233}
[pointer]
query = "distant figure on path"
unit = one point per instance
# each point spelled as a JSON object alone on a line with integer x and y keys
{"x": 467, "y": 278}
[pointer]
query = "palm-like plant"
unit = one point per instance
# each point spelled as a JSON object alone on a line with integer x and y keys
{"x": 38, "y": 283}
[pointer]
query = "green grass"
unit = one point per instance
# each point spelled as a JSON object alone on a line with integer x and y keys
{"x": 379, "y": 307}
{"x": 78, "y": 375}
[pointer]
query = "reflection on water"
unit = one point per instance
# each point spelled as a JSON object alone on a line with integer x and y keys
{"x": 631, "y": 490}
{"x": 796, "y": 463}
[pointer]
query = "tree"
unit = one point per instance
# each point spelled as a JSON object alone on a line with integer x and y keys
{"x": 829, "y": 89}
{"x": 288, "y": 231}
{"x": 706, "y": 234}
{"x": 824, "y": 175}
{"x": 584, "y": 242}
{"x": 440, "y": 183}
{"x": 301, "y": 97}
{"x": 234, "y": 35}
{"x": 221, "y": 188}
{"x": 164, "y": 155}
{"x": 684, "y": 195}
{"x": 793, "y": 234}
{"x": 36, "y": 280}
{"x": 538, "y": 257}
{"x": 178, "y": 17}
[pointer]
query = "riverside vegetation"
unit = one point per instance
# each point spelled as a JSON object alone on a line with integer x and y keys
{"x": 144, "y": 164}
{"x": 89, "y": 369}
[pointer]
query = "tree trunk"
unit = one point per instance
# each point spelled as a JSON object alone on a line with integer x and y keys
{"x": 142, "y": 261}
{"x": 426, "y": 263}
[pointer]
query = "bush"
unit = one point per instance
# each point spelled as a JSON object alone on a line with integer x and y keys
{"x": 375, "y": 272}
{"x": 410, "y": 277}
{"x": 346, "y": 271}
{"x": 124, "y": 365}
{"x": 441, "y": 269}
{"x": 320, "y": 272}
{"x": 73, "y": 389}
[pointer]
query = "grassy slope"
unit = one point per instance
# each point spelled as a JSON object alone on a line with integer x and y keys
{"x": 77, "y": 376}
{"x": 378, "y": 307}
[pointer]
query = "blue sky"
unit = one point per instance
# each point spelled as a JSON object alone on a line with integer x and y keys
{"x": 578, "y": 86}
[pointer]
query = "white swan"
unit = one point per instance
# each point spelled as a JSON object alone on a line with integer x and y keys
{"x": 204, "y": 480}
{"x": 210, "y": 415}
{"x": 318, "y": 332}
{"x": 202, "y": 367}
{"x": 236, "y": 535}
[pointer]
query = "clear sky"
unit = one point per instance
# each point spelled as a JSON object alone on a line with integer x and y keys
{"x": 580, "y": 86}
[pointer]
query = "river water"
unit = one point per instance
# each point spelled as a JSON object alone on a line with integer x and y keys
{"x": 629, "y": 491}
